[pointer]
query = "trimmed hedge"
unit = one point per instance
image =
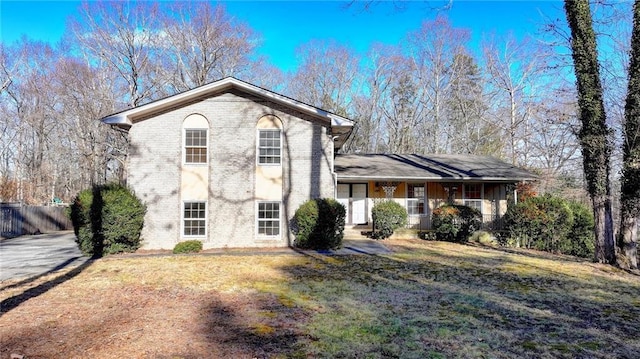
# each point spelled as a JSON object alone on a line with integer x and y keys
{"x": 387, "y": 217}
{"x": 190, "y": 246}
{"x": 319, "y": 224}
{"x": 551, "y": 224}
{"x": 107, "y": 219}
{"x": 455, "y": 223}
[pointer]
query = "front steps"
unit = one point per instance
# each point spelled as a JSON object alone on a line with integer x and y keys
{"x": 355, "y": 231}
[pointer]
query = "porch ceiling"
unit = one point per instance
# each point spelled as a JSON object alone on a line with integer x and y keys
{"x": 428, "y": 167}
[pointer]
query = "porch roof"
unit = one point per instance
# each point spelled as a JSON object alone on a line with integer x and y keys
{"x": 437, "y": 168}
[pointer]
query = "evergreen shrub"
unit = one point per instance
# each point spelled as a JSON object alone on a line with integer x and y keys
{"x": 107, "y": 219}
{"x": 552, "y": 224}
{"x": 455, "y": 223}
{"x": 387, "y": 216}
{"x": 319, "y": 224}
{"x": 190, "y": 246}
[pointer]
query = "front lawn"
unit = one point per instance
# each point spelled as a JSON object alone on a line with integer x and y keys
{"x": 427, "y": 300}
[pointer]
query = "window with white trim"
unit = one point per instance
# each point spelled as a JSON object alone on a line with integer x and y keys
{"x": 269, "y": 218}
{"x": 194, "y": 218}
{"x": 415, "y": 199}
{"x": 473, "y": 196}
{"x": 195, "y": 146}
{"x": 269, "y": 147}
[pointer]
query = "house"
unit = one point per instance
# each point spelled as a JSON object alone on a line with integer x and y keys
{"x": 229, "y": 163}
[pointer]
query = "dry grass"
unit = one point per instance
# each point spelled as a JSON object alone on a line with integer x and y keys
{"x": 428, "y": 299}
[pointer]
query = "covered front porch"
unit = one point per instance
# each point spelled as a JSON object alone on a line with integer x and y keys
{"x": 420, "y": 198}
{"x": 422, "y": 183}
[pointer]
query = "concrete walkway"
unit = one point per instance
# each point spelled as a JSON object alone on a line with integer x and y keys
{"x": 27, "y": 256}
{"x": 359, "y": 246}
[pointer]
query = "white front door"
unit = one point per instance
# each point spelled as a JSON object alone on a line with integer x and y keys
{"x": 359, "y": 203}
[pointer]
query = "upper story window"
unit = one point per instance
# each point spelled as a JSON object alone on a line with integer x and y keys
{"x": 195, "y": 139}
{"x": 269, "y": 147}
{"x": 195, "y": 146}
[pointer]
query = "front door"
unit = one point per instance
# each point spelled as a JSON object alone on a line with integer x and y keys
{"x": 359, "y": 203}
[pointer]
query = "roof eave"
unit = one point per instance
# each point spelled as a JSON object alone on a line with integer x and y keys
{"x": 435, "y": 179}
{"x": 118, "y": 119}
{"x": 129, "y": 116}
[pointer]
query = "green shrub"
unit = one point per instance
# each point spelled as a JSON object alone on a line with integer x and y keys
{"x": 190, "y": 246}
{"x": 387, "y": 217}
{"x": 455, "y": 223}
{"x": 319, "y": 224}
{"x": 544, "y": 223}
{"x": 107, "y": 219}
{"x": 581, "y": 239}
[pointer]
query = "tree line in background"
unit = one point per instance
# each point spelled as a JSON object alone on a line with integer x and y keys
{"x": 513, "y": 98}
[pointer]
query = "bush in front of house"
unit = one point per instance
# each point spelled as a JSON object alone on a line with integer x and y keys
{"x": 190, "y": 246}
{"x": 387, "y": 216}
{"x": 581, "y": 240}
{"x": 552, "y": 224}
{"x": 107, "y": 219}
{"x": 319, "y": 224}
{"x": 455, "y": 223}
{"x": 539, "y": 222}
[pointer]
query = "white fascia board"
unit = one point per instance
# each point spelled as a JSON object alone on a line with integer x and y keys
{"x": 124, "y": 118}
{"x": 118, "y": 119}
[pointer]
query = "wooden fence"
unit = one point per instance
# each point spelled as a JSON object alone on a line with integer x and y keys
{"x": 17, "y": 219}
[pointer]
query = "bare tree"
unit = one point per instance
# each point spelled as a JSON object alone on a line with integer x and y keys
{"x": 202, "y": 43}
{"x": 432, "y": 49}
{"x": 121, "y": 37}
{"x": 512, "y": 67}
{"x": 326, "y": 76}
{"x": 369, "y": 134}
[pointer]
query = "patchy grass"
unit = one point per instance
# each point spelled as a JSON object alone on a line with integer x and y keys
{"x": 427, "y": 300}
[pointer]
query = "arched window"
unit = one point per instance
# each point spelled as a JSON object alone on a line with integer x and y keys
{"x": 196, "y": 135}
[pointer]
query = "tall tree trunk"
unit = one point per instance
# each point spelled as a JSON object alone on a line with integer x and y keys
{"x": 594, "y": 135}
{"x": 630, "y": 189}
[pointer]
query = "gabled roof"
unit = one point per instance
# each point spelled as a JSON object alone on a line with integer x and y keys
{"x": 126, "y": 118}
{"x": 389, "y": 167}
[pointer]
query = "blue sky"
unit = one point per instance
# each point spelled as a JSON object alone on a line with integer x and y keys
{"x": 284, "y": 25}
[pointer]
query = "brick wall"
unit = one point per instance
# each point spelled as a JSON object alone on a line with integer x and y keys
{"x": 155, "y": 166}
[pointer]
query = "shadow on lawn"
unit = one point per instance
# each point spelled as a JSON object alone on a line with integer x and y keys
{"x": 387, "y": 306}
{"x": 13, "y": 302}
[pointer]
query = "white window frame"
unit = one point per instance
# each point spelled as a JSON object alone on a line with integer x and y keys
{"x": 413, "y": 202}
{"x": 267, "y": 219}
{"x": 279, "y": 148}
{"x": 184, "y": 219}
{"x": 206, "y": 146}
{"x": 476, "y": 203}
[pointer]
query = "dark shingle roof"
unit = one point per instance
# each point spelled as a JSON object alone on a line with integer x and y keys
{"x": 427, "y": 167}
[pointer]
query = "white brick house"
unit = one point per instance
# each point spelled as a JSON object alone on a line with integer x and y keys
{"x": 228, "y": 164}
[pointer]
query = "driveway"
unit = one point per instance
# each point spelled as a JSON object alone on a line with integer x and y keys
{"x": 28, "y": 256}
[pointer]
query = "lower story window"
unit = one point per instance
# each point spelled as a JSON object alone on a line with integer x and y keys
{"x": 269, "y": 218}
{"x": 415, "y": 200}
{"x": 194, "y": 218}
